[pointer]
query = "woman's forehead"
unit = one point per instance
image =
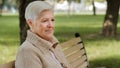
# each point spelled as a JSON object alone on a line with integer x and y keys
{"x": 47, "y": 13}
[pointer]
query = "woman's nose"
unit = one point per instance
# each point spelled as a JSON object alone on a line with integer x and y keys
{"x": 51, "y": 24}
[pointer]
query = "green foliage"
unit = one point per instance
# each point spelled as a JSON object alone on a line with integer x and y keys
{"x": 101, "y": 51}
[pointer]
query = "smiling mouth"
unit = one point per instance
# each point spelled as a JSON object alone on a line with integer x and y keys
{"x": 49, "y": 31}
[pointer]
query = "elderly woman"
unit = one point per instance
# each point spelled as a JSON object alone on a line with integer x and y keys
{"x": 41, "y": 48}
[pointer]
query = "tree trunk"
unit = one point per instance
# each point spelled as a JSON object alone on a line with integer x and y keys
{"x": 1, "y": 6}
{"x": 22, "y": 22}
{"x": 111, "y": 18}
{"x": 94, "y": 8}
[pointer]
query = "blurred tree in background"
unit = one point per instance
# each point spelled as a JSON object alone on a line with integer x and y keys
{"x": 7, "y": 6}
{"x": 94, "y": 8}
{"x": 1, "y": 6}
{"x": 111, "y": 18}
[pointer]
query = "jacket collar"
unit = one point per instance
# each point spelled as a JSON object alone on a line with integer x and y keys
{"x": 38, "y": 41}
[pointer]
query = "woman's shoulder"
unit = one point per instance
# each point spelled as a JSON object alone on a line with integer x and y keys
{"x": 27, "y": 46}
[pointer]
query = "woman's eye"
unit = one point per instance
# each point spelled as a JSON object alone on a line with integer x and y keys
{"x": 44, "y": 21}
{"x": 52, "y": 19}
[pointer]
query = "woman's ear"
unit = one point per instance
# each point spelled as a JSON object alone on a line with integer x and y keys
{"x": 30, "y": 23}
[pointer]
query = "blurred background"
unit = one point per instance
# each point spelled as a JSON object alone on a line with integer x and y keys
{"x": 61, "y": 6}
{"x": 97, "y": 21}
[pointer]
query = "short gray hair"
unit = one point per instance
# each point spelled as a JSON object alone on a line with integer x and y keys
{"x": 34, "y": 8}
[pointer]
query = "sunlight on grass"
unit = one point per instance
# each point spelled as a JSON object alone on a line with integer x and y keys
{"x": 100, "y": 51}
{"x": 7, "y": 53}
{"x": 104, "y": 48}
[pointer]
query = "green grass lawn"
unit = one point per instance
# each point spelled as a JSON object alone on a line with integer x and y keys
{"x": 102, "y": 52}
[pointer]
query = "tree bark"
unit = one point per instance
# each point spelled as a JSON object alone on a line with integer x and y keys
{"x": 22, "y": 22}
{"x": 111, "y": 18}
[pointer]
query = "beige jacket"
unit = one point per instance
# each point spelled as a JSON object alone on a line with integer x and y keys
{"x": 35, "y": 52}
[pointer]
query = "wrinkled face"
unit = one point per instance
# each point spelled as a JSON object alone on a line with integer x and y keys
{"x": 44, "y": 25}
